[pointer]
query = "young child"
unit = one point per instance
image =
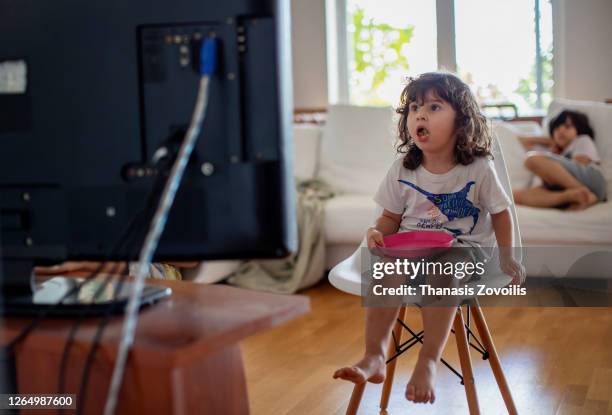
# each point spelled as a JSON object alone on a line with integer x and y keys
{"x": 570, "y": 170}
{"x": 444, "y": 181}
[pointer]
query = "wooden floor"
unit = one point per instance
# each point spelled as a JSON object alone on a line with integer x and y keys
{"x": 557, "y": 361}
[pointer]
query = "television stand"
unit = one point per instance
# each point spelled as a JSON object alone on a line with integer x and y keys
{"x": 186, "y": 357}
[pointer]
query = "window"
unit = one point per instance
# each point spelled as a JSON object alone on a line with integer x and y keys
{"x": 496, "y": 44}
{"x": 386, "y": 44}
{"x": 503, "y": 49}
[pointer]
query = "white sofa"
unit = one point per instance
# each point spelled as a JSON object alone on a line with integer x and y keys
{"x": 354, "y": 149}
{"x": 557, "y": 239}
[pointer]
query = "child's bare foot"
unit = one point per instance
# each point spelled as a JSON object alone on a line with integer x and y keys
{"x": 371, "y": 368}
{"x": 420, "y": 388}
{"x": 580, "y": 198}
{"x": 590, "y": 197}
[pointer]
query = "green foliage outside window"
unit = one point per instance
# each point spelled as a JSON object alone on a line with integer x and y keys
{"x": 527, "y": 87}
{"x": 377, "y": 51}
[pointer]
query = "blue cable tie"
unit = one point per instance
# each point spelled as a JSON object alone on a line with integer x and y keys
{"x": 208, "y": 56}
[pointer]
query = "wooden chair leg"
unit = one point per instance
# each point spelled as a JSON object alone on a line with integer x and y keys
{"x": 397, "y": 332}
{"x": 496, "y": 366}
{"x": 353, "y": 405}
{"x": 466, "y": 364}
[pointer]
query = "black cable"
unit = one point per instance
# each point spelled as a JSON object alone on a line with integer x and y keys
{"x": 70, "y": 339}
{"x": 78, "y": 322}
{"x": 146, "y": 210}
{"x": 120, "y": 241}
{"x": 45, "y": 312}
{"x": 99, "y": 331}
{"x": 104, "y": 321}
{"x": 101, "y": 327}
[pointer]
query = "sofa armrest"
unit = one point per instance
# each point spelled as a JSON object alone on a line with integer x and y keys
{"x": 514, "y": 152}
{"x": 530, "y": 128}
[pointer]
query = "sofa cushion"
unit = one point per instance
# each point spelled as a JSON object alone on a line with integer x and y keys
{"x": 559, "y": 227}
{"x": 357, "y": 148}
{"x": 600, "y": 118}
{"x": 306, "y": 148}
{"x": 347, "y": 217}
{"x": 514, "y": 153}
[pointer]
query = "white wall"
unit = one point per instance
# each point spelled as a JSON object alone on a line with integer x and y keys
{"x": 309, "y": 54}
{"x": 583, "y": 49}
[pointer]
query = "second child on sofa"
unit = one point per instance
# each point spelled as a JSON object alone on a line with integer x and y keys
{"x": 445, "y": 180}
{"x": 570, "y": 168}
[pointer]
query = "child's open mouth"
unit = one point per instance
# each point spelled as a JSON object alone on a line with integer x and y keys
{"x": 422, "y": 133}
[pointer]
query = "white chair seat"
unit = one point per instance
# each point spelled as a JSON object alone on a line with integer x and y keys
{"x": 346, "y": 276}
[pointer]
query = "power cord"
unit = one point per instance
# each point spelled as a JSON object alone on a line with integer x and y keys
{"x": 208, "y": 64}
{"x": 162, "y": 160}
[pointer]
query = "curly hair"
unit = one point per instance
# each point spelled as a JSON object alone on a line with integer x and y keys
{"x": 471, "y": 128}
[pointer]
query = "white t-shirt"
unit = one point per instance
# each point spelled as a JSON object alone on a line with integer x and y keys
{"x": 582, "y": 145}
{"x": 459, "y": 201}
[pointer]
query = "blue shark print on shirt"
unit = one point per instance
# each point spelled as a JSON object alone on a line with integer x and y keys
{"x": 452, "y": 205}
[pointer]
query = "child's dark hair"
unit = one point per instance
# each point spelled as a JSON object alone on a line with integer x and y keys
{"x": 578, "y": 119}
{"x": 473, "y": 133}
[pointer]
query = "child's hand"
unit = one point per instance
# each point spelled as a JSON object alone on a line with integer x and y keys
{"x": 555, "y": 148}
{"x": 513, "y": 268}
{"x": 375, "y": 239}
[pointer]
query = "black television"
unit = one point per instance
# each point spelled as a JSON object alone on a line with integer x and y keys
{"x": 89, "y": 91}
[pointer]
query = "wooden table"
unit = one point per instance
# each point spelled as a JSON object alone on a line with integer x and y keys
{"x": 185, "y": 359}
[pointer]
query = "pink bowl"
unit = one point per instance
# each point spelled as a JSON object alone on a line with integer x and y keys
{"x": 415, "y": 244}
